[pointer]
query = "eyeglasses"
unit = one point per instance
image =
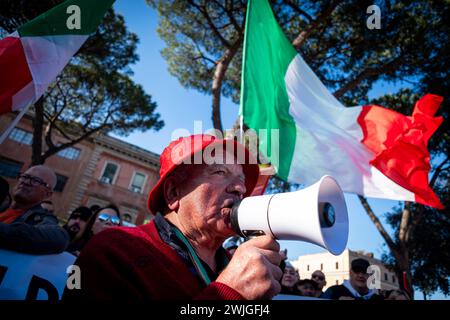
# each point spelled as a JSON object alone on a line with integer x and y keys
{"x": 34, "y": 181}
{"x": 318, "y": 277}
{"x": 359, "y": 270}
{"x": 105, "y": 217}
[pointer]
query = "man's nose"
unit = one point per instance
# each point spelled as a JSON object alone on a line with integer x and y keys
{"x": 238, "y": 187}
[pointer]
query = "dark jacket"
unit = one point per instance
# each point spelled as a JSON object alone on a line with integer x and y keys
{"x": 337, "y": 291}
{"x": 36, "y": 232}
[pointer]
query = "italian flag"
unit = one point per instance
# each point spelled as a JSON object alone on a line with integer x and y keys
{"x": 32, "y": 57}
{"x": 369, "y": 150}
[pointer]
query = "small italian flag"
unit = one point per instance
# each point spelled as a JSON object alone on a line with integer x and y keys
{"x": 370, "y": 150}
{"x": 32, "y": 57}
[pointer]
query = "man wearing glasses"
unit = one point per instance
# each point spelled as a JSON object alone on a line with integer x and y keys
{"x": 27, "y": 227}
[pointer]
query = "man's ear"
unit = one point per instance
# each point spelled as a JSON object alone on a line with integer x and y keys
{"x": 171, "y": 194}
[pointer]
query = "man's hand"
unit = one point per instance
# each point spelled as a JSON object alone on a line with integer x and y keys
{"x": 254, "y": 269}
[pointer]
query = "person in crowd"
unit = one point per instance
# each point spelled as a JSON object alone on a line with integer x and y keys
{"x": 356, "y": 288}
{"x": 104, "y": 218}
{"x": 289, "y": 280}
{"x": 307, "y": 288}
{"x": 48, "y": 205}
{"x": 179, "y": 254}
{"x": 27, "y": 227}
{"x": 319, "y": 277}
{"x": 396, "y": 295}
{"x": 76, "y": 226}
{"x": 5, "y": 197}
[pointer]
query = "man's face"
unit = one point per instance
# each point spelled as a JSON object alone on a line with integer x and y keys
{"x": 33, "y": 187}
{"x": 307, "y": 290}
{"x": 206, "y": 199}
{"x": 76, "y": 226}
{"x": 358, "y": 278}
{"x": 319, "y": 278}
{"x": 289, "y": 277}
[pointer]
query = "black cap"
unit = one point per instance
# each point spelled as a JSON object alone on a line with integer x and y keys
{"x": 360, "y": 265}
{"x": 83, "y": 213}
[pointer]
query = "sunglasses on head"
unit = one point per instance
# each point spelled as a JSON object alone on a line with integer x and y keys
{"x": 105, "y": 217}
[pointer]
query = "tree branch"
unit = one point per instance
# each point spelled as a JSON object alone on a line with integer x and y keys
{"x": 404, "y": 224}
{"x": 379, "y": 226}
{"x": 55, "y": 150}
{"x": 301, "y": 38}
{"x": 299, "y": 11}
{"x": 229, "y": 13}
{"x": 438, "y": 171}
{"x": 219, "y": 74}
{"x": 213, "y": 27}
{"x": 366, "y": 73}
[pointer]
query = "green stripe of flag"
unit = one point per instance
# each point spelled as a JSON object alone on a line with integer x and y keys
{"x": 264, "y": 99}
{"x": 54, "y": 21}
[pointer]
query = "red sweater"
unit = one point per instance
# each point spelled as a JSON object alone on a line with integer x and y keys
{"x": 133, "y": 264}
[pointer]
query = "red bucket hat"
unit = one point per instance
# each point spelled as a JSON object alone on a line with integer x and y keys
{"x": 186, "y": 148}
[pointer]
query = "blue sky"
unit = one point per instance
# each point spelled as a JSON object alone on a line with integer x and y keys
{"x": 180, "y": 107}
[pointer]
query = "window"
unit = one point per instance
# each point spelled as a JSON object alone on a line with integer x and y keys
{"x": 393, "y": 279}
{"x": 21, "y": 136}
{"x": 60, "y": 183}
{"x": 10, "y": 168}
{"x": 137, "y": 183}
{"x": 337, "y": 265}
{"x": 385, "y": 277}
{"x": 307, "y": 268}
{"x": 70, "y": 153}
{"x": 109, "y": 173}
{"x": 337, "y": 282}
{"x": 321, "y": 266}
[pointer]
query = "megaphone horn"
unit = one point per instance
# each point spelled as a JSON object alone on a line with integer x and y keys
{"x": 317, "y": 214}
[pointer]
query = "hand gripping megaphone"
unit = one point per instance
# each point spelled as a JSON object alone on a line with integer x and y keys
{"x": 317, "y": 214}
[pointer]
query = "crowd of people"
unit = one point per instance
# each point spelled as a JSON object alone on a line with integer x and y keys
{"x": 355, "y": 288}
{"x": 28, "y": 223}
{"x": 180, "y": 253}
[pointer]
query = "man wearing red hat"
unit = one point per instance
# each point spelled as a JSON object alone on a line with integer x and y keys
{"x": 179, "y": 254}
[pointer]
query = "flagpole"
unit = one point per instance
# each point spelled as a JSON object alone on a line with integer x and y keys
{"x": 13, "y": 124}
{"x": 241, "y": 129}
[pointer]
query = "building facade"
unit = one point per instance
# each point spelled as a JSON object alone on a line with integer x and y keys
{"x": 99, "y": 170}
{"x": 337, "y": 268}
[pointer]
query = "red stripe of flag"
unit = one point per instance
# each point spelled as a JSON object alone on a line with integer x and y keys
{"x": 400, "y": 145}
{"x": 15, "y": 73}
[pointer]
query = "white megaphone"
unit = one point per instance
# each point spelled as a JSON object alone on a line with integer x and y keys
{"x": 317, "y": 214}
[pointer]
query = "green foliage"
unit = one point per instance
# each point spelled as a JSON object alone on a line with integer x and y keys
{"x": 343, "y": 52}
